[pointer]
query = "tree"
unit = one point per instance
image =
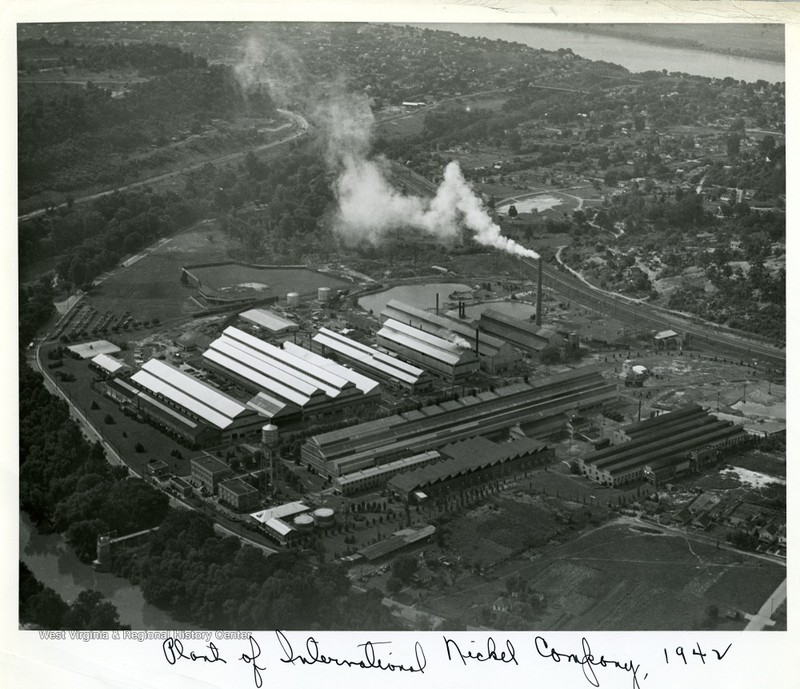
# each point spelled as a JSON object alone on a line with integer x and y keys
{"x": 512, "y": 211}
{"x": 92, "y": 611}
{"x": 403, "y": 568}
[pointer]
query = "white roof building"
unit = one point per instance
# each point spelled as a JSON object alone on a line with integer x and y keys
{"x": 269, "y": 320}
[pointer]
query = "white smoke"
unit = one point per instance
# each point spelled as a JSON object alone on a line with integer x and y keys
{"x": 277, "y": 71}
{"x": 369, "y": 206}
{"x": 460, "y": 341}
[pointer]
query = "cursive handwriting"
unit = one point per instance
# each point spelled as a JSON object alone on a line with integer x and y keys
{"x": 587, "y": 662}
{"x": 480, "y": 656}
{"x": 173, "y": 652}
{"x": 313, "y": 655}
{"x": 255, "y": 652}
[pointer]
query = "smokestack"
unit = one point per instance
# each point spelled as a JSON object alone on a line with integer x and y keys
{"x": 539, "y": 295}
{"x": 477, "y": 344}
{"x": 437, "y": 303}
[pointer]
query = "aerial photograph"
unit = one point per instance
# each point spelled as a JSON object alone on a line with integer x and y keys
{"x": 401, "y": 326}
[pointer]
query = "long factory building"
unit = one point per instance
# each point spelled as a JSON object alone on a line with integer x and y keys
{"x": 443, "y": 358}
{"x": 494, "y": 354}
{"x": 373, "y": 362}
{"x": 541, "y": 343}
{"x": 184, "y": 405}
{"x": 539, "y": 406}
{"x": 663, "y": 448}
{"x": 287, "y": 380}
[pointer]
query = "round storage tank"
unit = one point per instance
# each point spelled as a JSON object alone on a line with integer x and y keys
{"x": 324, "y": 294}
{"x": 269, "y": 435}
{"x": 323, "y": 516}
{"x": 293, "y": 299}
{"x": 303, "y": 522}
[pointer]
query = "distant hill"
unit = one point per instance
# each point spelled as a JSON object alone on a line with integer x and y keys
{"x": 760, "y": 41}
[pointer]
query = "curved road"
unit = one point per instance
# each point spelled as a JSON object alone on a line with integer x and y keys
{"x": 300, "y": 123}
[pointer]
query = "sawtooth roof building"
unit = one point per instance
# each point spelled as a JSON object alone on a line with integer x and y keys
{"x": 494, "y": 354}
{"x": 373, "y": 362}
{"x": 449, "y": 360}
{"x": 468, "y": 463}
{"x": 540, "y": 406}
{"x": 664, "y": 447}
{"x": 289, "y": 380}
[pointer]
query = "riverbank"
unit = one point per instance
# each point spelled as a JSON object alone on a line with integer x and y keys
{"x": 753, "y": 41}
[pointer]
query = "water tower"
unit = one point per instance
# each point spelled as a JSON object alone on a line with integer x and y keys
{"x": 269, "y": 451}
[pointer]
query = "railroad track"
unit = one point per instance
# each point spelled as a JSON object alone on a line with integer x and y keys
{"x": 618, "y": 307}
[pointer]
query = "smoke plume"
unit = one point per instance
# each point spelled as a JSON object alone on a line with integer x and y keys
{"x": 369, "y": 206}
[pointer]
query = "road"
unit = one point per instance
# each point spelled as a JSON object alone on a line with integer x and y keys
{"x": 301, "y": 126}
{"x": 222, "y": 523}
{"x": 628, "y": 310}
{"x": 762, "y": 618}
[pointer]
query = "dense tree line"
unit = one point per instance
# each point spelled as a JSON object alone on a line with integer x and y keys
{"x": 66, "y": 484}
{"x": 42, "y": 608}
{"x": 75, "y": 137}
{"x": 219, "y": 583}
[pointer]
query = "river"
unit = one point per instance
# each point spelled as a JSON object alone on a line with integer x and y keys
{"x": 55, "y": 565}
{"x": 637, "y": 56}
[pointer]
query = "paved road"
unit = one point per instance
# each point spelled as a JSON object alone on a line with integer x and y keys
{"x": 762, "y": 618}
{"x": 301, "y": 128}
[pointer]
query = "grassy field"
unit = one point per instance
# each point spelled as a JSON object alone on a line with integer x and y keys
{"x": 151, "y": 287}
{"x": 265, "y": 281}
{"x": 625, "y": 577}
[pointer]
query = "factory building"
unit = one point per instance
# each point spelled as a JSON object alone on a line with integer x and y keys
{"x": 541, "y": 343}
{"x": 287, "y": 378}
{"x": 377, "y": 477}
{"x": 188, "y": 406}
{"x": 208, "y": 472}
{"x": 273, "y": 326}
{"x": 663, "y": 448}
{"x": 449, "y": 360}
{"x": 279, "y": 522}
{"x": 494, "y": 355}
{"x": 469, "y": 463}
{"x": 538, "y": 406}
{"x": 238, "y": 495}
{"x": 372, "y": 362}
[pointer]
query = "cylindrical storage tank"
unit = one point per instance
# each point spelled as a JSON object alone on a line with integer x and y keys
{"x": 324, "y": 294}
{"x": 293, "y": 299}
{"x": 269, "y": 435}
{"x": 323, "y": 516}
{"x": 303, "y": 522}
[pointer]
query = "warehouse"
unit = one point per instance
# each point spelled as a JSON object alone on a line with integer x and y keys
{"x": 238, "y": 495}
{"x": 270, "y": 323}
{"x": 449, "y": 360}
{"x": 377, "y": 477}
{"x": 168, "y": 389}
{"x": 275, "y": 521}
{"x": 372, "y": 362}
{"x": 541, "y": 343}
{"x": 287, "y": 375}
{"x": 663, "y": 448}
{"x": 494, "y": 355}
{"x": 542, "y": 402}
{"x": 469, "y": 463}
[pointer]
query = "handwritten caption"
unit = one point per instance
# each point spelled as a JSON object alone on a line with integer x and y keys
{"x": 258, "y": 654}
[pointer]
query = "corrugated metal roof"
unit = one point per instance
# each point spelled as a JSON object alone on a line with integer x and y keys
{"x": 269, "y": 320}
{"x": 392, "y": 336}
{"x": 383, "y": 363}
{"x": 216, "y": 399}
{"x": 249, "y": 373}
{"x": 159, "y": 386}
{"x": 267, "y": 405}
{"x": 167, "y": 410}
{"x": 327, "y": 381}
{"x": 263, "y": 364}
{"x": 279, "y": 527}
{"x": 363, "y": 383}
{"x": 383, "y": 357}
{"x": 428, "y": 338}
{"x": 397, "y": 465}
